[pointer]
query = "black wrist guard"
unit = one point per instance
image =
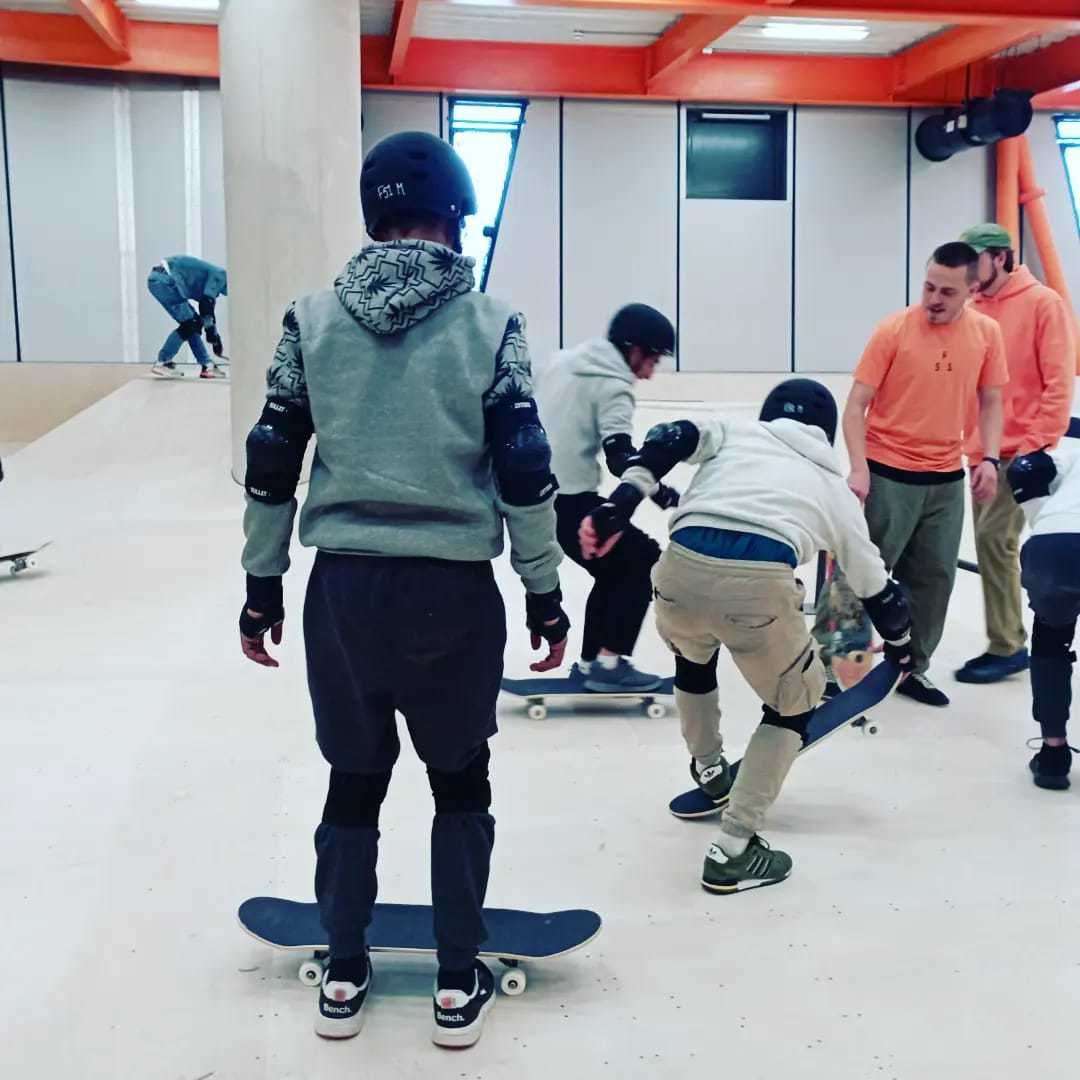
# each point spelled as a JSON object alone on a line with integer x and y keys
{"x": 264, "y": 595}
{"x": 541, "y": 609}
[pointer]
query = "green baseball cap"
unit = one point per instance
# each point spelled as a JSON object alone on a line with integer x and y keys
{"x": 987, "y": 235}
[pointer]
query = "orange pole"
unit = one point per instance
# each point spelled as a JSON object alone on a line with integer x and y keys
{"x": 1031, "y": 197}
{"x": 1008, "y": 187}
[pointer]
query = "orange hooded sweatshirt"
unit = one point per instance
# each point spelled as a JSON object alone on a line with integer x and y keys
{"x": 1038, "y": 332}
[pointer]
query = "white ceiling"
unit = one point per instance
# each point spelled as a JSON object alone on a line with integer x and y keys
{"x": 884, "y": 39}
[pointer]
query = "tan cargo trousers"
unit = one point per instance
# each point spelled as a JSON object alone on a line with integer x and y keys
{"x": 755, "y": 610}
{"x": 998, "y": 526}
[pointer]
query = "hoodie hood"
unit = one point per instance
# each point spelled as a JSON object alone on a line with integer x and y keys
{"x": 390, "y": 287}
{"x": 1020, "y": 280}
{"x": 599, "y": 359}
{"x": 809, "y": 441}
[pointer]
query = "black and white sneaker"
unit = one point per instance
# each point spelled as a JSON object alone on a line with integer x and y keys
{"x": 459, "y": 1015}
{"x": 341, "y": 1007}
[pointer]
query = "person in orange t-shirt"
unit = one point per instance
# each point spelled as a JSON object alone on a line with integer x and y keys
{"x": 1038, "y": 331}
{"x": 904, "y": 428}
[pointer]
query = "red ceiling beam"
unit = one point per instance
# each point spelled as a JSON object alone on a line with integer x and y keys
{"x": 976, "y": 12}
{"x": 955, "y": 49}
{"x": 684, "y": 40}
{"x": 106, "y": 20}
{"x": 402, "y": 34}
{"x": 1055, "y": 68}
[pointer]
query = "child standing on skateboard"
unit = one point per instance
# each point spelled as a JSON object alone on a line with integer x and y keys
{"x": 418, "y": 392}
{"x": 767, "y": 496}
{"x": 1046, "y": 486}
{"x": 587, "y": 400}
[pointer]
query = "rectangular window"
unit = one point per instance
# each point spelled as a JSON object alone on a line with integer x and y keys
{"x": 485, "y": 134}
{"x": 736, "y": 155}
{"x": 1068, "y": 133}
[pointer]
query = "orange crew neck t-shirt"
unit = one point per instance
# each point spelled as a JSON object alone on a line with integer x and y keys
{"x": 926, "y": 380}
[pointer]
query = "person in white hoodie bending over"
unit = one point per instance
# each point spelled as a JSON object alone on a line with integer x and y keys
{"x": 767, "y": 496}
{"x": 1046, "y": 486}
{"x": 586, "y": 400}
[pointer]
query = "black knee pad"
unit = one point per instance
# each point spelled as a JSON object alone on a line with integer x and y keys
{"x": 795, "y": 723}
{"x": 189, "y": 329}
{"x": 695, "y": 678}
{"x": 467, "y": 791}
{"x": 353, "y": 799}
{"x": 1053, "y": 641}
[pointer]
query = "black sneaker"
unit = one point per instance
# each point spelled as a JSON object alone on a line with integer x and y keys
{"x": 459, "y": 1015}
{"x": 716, "y": 781}
{"x": 1050, "y": 767}
{"x": 989, "y": 668}
{"x": 341, "y": 1007}
{"x": 919, "y": 688}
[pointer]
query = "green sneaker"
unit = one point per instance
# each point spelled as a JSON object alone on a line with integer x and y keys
{"x": 716, "y": 781}
{"x": 758, "y": 865}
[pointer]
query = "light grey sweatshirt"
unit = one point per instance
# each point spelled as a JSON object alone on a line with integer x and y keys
{"x": 584, "y": 395}
{"x": 398, "y": 366}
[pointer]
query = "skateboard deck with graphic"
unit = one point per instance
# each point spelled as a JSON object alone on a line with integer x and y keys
{"x": 838, "y": 712}
{"x": 537, "y": 692}
{"x": 513, "y": 936}
{"x": 842, "y": 628}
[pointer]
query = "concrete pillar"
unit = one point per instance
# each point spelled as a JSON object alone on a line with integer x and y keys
{"x": 290, "y": 88}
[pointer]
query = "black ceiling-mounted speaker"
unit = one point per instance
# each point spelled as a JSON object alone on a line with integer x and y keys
{"x": 981, "y": 122}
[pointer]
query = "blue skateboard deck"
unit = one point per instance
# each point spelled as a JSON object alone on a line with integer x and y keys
{"x": 513, "y": 936}
{"x": 837, "y": 712}
{"x": 537, "y": 691}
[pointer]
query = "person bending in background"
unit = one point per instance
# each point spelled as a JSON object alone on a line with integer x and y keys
{"x": 586, "y": 401}
{"x": 418, "y": 391}
{"x": 904, "y": 427}
{"x": 1038, "y": 331}
{"x": 766, "y": 497}
{"x": 1046, "y": 487}
{"x": 176, "y": 283}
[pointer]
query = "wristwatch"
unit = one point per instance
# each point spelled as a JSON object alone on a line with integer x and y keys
{"x": 996, "y": 462}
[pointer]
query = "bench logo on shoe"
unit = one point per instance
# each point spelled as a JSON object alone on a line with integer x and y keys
{"x": 336, "y": 1010}
{"x": 449, "y": 1018}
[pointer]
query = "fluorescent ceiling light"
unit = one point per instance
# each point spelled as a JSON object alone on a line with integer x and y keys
{"x": 816, "y": 30}
{"x": 190, "y": 5}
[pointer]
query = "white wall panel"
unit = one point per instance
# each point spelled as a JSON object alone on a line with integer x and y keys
{"x": 735, "y": 281}
{"x": 157, "y": 135}
{"x": 212, "y": 192}
{"x": 619, "y": 212}
{"x": 525, "y": 267}
{"x": 385, "y": 113}
{"x": 7, "y": 297}
{"x": 1050, "y": 175}
{"x": 63, "y": 147}
{"x": 946, "y": 198}
{"x": 850, "y": 231}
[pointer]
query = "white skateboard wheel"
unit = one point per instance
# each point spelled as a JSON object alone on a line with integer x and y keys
{"x": 537, "y": 711}
{"x": 513, "y": 982}
{"x": 310, "y": 973}
{"x": 655, "y": 711}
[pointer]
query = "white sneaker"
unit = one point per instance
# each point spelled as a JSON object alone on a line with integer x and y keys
{"x": 341, "y": 1007}
{"x": 459, "y": 1017}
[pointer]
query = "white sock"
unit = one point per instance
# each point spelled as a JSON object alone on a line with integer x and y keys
{"x": 608, "y": 663}
{"x": 585, "y": 666}
{"x": 704, "y": 763}
{"x": 731, "y": 845}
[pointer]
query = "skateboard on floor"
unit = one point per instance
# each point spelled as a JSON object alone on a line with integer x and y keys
{"x": 838, "y": 712}
{"x": 514, "y": 937}
{"x": 536, "y": 693}
{"x": 19, "y": 561}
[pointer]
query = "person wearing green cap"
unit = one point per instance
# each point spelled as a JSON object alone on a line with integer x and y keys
{"x": 1038, "y": 333}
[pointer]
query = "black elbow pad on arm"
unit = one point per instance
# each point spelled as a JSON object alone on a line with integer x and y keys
{"x": 275, "y": 451}
{"x": 1031, "y": 475}
{"x": 520, "y": 452}
{"x": 889, "y": 612}
{"x": 665, "y": 446}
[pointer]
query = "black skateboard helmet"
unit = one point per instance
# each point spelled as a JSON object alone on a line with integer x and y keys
{"x": 639, "y": 324}
{"x": 804, "y": 400}
{"x": 413, "y": 171}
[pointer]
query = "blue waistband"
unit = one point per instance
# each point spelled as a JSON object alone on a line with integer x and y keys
{"x": 729, "y": 544}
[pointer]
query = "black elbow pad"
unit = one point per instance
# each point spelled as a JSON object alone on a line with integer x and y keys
{"x": 275, "y": 451}
{"x": 889, "y": 613}
{"x": 1031, "y": 475}
{"x": 666, "y": 445}
{"x": 520, "y": 452}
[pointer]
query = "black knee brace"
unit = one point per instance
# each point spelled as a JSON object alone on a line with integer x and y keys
{"x": 795, "y": 723}
{"x": 695, "y": 678}
{"x": 354, "y": 798}
{"x": 465, "y": 792}
{"x": 1053, "y": 641}
{"x": 189, "y": 329}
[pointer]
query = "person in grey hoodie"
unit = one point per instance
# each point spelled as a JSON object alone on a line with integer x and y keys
{"x": 176, "y": 283}
{"x": 586, "y": 400}
{"x": 767, "y": 496}
{"x": 418, "y": 392}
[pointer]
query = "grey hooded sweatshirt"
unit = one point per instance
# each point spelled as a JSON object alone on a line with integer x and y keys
{"x": 398, "y": 365}
{"x": 584, "y": 394}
